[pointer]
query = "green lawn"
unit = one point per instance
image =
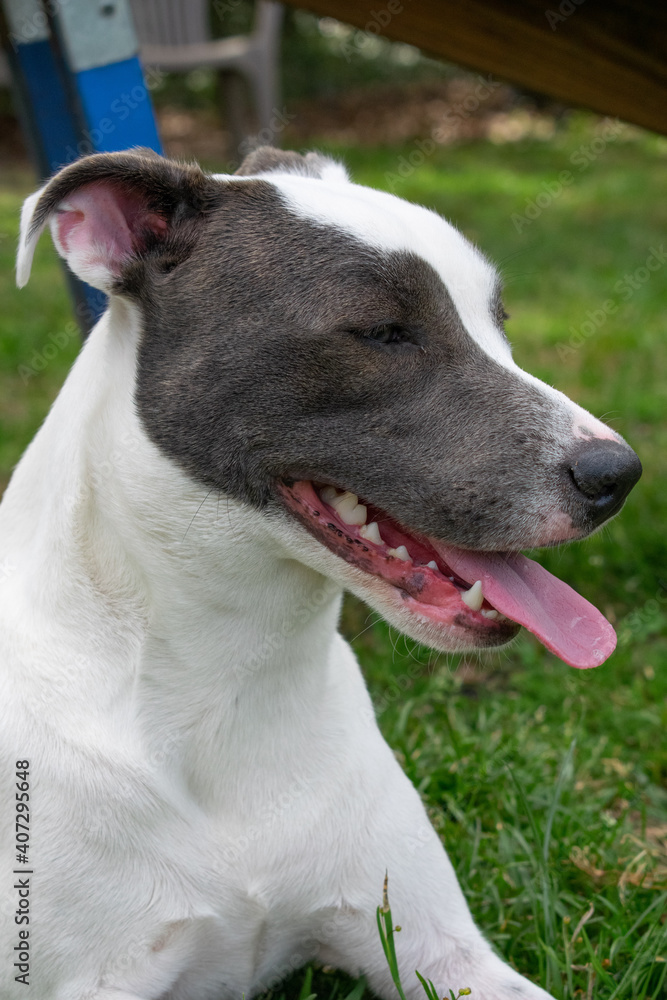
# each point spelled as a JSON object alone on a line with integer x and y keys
{"x": 548, "y": 785}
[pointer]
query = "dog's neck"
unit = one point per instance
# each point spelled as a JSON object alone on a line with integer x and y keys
{"x": 198, "y": 607}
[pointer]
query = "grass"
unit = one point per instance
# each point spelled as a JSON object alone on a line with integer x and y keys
{"x": 547, "y": 784}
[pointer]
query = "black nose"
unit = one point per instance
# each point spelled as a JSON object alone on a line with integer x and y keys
{"x": 604, "y": 472}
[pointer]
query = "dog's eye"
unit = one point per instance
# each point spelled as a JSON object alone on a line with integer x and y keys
{"x": 390, "y": 334}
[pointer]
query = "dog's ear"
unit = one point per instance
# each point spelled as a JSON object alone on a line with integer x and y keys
{"x": 267, "y": 160}
{"x": 109, "y": 208}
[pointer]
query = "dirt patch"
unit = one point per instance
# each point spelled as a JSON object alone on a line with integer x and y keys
{"x": 461, "y": 109}
{"x": 445, "y": 111}
{"x": 455, "y": 110}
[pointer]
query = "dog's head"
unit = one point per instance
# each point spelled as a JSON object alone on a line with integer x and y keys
{"x": 336, "y": 356}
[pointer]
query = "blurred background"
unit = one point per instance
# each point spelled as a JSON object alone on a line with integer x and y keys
{"x": 548, "y": 785}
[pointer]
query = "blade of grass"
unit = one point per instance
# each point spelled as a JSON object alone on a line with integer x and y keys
{"x": 357, "y": 992}
{"x": 429, "y": 988}
{"x": 386, "y": 929}
{"x": 305, "y": 991}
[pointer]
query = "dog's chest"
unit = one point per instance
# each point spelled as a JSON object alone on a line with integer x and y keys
{"x": 248, "y": 908}
{"x": 215, "y": 899}
{"x": 226, "y": 954}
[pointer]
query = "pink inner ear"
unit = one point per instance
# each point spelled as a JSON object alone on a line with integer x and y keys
{"x": 102, "y": 226}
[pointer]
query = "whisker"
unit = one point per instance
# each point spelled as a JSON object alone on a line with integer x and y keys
{"x": 197, "y": 511}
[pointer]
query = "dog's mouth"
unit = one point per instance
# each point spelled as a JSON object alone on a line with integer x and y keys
{"x": 487, "y": 594}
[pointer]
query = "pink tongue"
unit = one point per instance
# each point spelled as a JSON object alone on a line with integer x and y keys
{"x": 527, "y": 593}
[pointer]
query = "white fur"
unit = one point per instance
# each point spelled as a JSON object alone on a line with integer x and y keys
{"x": 213, "y": 803}
{"x": 28, "y": 241}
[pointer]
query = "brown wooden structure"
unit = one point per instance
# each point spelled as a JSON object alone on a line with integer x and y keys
{"x": 607, "y": 55}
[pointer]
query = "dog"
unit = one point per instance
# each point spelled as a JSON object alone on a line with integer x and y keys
{"x": 300, "y": 385}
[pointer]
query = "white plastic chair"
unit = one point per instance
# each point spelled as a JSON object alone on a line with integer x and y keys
{"x": 175, "y": 36}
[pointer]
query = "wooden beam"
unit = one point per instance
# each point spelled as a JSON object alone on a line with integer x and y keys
{"x": 607, "y": 55}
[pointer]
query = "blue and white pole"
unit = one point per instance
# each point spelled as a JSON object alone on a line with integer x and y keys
{"x": 80, "y": 89}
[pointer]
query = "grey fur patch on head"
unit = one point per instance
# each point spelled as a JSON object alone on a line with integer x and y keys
{"x": 268, "y": 159}
{"x": 281, "y": 349}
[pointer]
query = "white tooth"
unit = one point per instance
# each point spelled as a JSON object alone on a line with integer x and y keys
{"x": 371, "y": 533}
{"x": 354, "y": 515}
{"x": 474, "y": 597}
{"x": 328, "y": 494}
{"x": 347, "y": 498}
{"x": 490, "y": 613}
{"x": 349, "y": 509}
{"x": 432, "y": 564}
{"x": 401, "y": 553}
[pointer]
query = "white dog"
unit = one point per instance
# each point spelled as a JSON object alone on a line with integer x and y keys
{"x": 200, "y": 800}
